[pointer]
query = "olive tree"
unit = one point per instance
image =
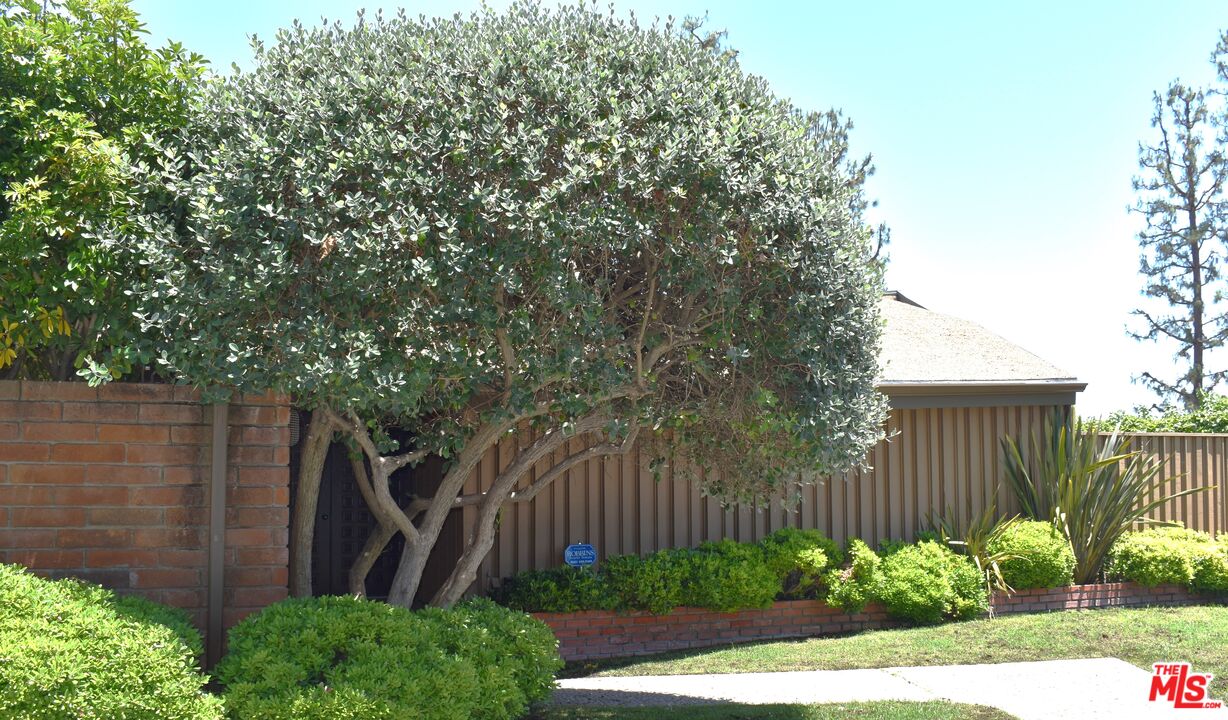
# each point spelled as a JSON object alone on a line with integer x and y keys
{"x": 558, "y": 222}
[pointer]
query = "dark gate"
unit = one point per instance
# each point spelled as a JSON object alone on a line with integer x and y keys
{"x": 343, "y": 523}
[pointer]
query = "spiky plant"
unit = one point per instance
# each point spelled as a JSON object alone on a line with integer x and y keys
{"x": 1093, "y": 487}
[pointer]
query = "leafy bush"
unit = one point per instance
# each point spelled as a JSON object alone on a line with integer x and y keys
{"x": 1211, "y": 416}
{"x": 339, "y": 657}
{"x": 928, "y": 583}
{"x": 1172, "y": 556}
{"x": 74, "y": 650}
{"x": 653, "y": 582}
{"x": 799, "y": 559}
{"x": 560, "y": 589}
{"x": 851, "y": 588}
{"x": 503, "y": 644}
{"x": 728, "y": 576}
{"x": 1034, "y": 555}
{"x": 1211, "y": 570}
{"x": 82, "y": 94}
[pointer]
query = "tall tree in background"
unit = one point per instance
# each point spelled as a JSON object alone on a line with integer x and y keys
{"x": 1181, "y": 196}
{"x": 80, "y": 94}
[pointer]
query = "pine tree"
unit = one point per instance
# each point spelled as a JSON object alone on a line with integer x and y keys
{"x": 1181, "y": 196}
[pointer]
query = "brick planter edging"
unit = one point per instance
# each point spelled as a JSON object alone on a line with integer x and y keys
{"x": 599, "y": 634}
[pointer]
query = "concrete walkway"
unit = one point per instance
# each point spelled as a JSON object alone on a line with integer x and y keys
{"x": 1095, "y": 688}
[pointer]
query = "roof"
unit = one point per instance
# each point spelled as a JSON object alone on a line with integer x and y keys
{"x": 924, "y": 352}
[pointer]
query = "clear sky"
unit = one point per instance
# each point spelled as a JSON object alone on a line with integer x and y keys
{"x": 1005, "y": 136}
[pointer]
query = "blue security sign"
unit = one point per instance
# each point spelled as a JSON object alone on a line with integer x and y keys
{"x": 580, "y": 555}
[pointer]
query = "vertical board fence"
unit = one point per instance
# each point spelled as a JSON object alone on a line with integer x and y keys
{"x": 1191, "y": 461}
{"x": 934, "y": 460}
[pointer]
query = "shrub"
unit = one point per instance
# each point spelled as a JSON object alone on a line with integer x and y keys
{"x": 653, "y": 582}
{"x": 851, "y": 588}
{"x": 1034, "y": 555}
{"x": 1171, "y": 555}
{"x": 799, "y": 559}
{"x": 339, "y": 657}
{"x": 928, "y": 583}
{"x": 1211, "y": 569}
{"x": 561, "y": 589}
{"x": 74, "y": 650}
{"x": 728, "y": 576}
{"x": 502, "y": 642}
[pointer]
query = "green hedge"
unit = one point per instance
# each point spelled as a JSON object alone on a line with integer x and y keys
{"x": 1170, "y": 555}
{"x": 723, "y": 575}
{"x": 74, "y": 650}
{"x": 928, "y": 583}
{"x": 332, "y": 658}
{"x": 923, "y": 582}
{"x": 1037, "y": 556}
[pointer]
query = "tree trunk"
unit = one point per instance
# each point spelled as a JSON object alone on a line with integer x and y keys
{"x": 466, "y": 570}
{"x": 380, "y": 535}
{"x": 306, "y": 500}
{"x": 376, "y": 542}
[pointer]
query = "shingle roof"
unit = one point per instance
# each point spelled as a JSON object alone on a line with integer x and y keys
{"x": 922, "y": 347}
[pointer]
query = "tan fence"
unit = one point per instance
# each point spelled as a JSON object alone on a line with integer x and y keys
{"x": 934, "y": 459}
{"x": 1192, "y": 461}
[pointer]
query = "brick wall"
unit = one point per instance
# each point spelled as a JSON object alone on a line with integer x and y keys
{"x": 601, "y": 634}
{"x": 109, "y": 485}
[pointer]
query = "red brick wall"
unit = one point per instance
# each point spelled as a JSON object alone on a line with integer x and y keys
{"x": 600, "y": 634}
{"x": 109, "y": 485}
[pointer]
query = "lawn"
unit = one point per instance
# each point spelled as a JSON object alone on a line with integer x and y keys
{"x": 857, "y": 711}
{"x": 1142, "y": 636}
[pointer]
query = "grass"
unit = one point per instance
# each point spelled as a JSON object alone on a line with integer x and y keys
{"x": 889, "y": 710}
{"x": 1141, "y": 636}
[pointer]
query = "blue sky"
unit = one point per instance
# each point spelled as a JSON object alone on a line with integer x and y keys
{"x": 1005, "y": 136}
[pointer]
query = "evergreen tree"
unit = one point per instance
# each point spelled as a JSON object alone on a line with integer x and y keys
{"x": 1181, "y": 196}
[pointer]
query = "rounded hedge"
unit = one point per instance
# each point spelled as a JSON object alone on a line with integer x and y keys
{"x": 800, "y": 559}
{"x": 339, "y": 657}
{"x": 74, "y": 650}
{"x": 1038, "y": 556}
{"x": 928, "y": 583}
{"x": 1170, "y": 556}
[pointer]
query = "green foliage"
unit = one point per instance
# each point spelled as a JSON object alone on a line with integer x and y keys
{"x": 531, "y": 214}
{"x": 1171, "y": 555}
{"x": 337, "y": 657}
{"x": 653, "y": 582}
{"x": 728, "y": 576}
{"x": 928, "y": 583}
{"x": 850, "y": 588}
{"x": 561, "y": 589}
{"x": 1035, "y": 555}
{"x": 723, "y": 576}
{"x": 80, "y": 95}
{"x": 978, "y": 540}
{"x": 1094, "y": 488}
{"x": 73, "y": 651}
{"x": 799, "y": 559}
{"x": 1211, "y": 416}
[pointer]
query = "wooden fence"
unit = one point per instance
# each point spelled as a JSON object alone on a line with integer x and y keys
{"x": 934, "y": 460}
{"x": 1192, "y": 461}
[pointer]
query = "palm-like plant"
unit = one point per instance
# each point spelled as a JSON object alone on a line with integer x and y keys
{"x": 1093, "y": 489}
{"x": 977, "y": 540}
